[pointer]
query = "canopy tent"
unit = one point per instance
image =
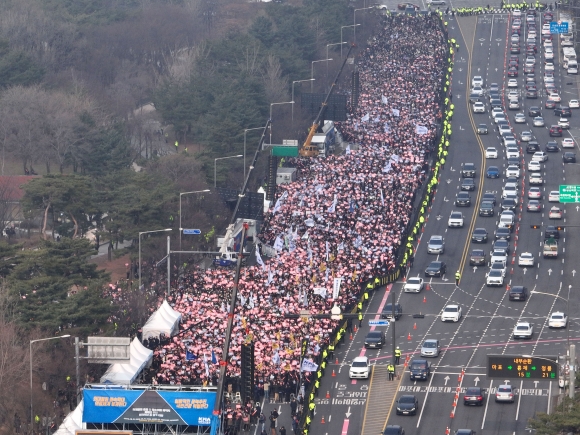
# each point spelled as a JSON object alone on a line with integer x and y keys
{"x": 72, "y": 422}
{"x": 125, "y": 374}
{"x": 163, "y": 321}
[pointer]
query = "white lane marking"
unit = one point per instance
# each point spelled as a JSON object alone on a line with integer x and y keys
{"x": 487, "y": 403}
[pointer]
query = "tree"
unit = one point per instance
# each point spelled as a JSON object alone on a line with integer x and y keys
{"x": 17, "y": 68}
{"x": 564, "y": 419}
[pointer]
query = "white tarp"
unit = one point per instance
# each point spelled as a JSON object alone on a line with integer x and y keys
{"x": 125, "y": 374}
{"x": 165, "y": 320}
{"x": 72, "y": 422}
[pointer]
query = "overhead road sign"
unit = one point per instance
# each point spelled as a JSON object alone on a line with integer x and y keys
{"x": 191, "y": 231}
{"x": 569, "y": 193}
{"x": 559, "y": 27}
{"x": 379, "y": 322}
{"x": 522, "y": 367}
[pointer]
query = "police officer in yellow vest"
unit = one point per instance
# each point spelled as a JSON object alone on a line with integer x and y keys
{"x": 360, "y": 319}
{"x": 457, "y": 277}
{"x": 397, "y": 355}
{"x": 391, "y": 369}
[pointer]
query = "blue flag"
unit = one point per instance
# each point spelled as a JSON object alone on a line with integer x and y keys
{"x": 189, "y": 356}
{"x": 213, "y": 358}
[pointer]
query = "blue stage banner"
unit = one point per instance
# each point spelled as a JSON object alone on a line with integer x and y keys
{"x": 135, "y": 406}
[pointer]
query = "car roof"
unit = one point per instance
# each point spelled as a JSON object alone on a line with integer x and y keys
{"x": 360, "y": 359}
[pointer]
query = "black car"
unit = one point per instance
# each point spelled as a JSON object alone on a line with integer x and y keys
{"x": 509, "y": 204}
{"x": 463, "y": 199}
{"x": 550, "y": 104}
{"x": 464, "y": 432}
{"x": 394, "y": 429}
{"x": 489, "y": 197}
{"x": 503, "y": 233}
{"x": 534, "y": 111}
{"x": 532, "y": 93}
{"x": 518, "y": 293}
{"x": 563, "y": 111}
{"x": 474, "y": 396}
{"x": 477, "y": 257}
{"x": 468, "y": 184}
{"x": 569, "y": 157}
{"x": 555, "y": 131}
{"x": 514, "y": 161}
{"x": 468, "y": 170}
{"x": 407, "y": 405}
{"x": 479, "y": 235}
{"x": 552, "y": 147}
{"x": 419, "y": 369}
{"x": 486, "y": 209}
{"x": 387, "y": 312}
{"x": 482, "y": 129}
{"x": 551, "y": 232}
{"x": 436, "y": 268}
{"x": 375, "y": 339}
{"x": 502, "y": 244}
{"x": 494, "y": 95}
{"x": 532, "y": 147}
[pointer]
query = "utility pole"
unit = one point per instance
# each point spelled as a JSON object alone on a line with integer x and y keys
{"x": 394, "y": 301}
{"x": 572, "y": 366}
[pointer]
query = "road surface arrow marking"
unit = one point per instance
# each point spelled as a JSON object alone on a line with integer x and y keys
{"x": 448, "y": 181}
{"x": 525, "y": 270}
{"x": 348, "y": 413}
{"x": 474, "y": 269}
{"x": 446, "y": 379}
{"x": 549, "y": 272}
{"x": 461, "y": 128}
{"x": 439, "y": 217}
{"x": 445, "y": 199}
{"x": 573, "y": 273}
{"x": 536, "y": 384}
{"x": 476, "y": 380}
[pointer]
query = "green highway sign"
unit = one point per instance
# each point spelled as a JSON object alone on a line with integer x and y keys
{"x": 569, "y": 193}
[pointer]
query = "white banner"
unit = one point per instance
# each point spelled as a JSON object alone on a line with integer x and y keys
{"x": 320, "y": 291}
{"x": 279, "y": 244}
{"x": 336, "y": 288}
{"x": 308, "y": 366}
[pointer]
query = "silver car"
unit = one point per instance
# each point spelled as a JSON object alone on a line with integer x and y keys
{"x": 430, "y": 348}
{"x": 436, "y": 245}
{"x": 505, "y": 393}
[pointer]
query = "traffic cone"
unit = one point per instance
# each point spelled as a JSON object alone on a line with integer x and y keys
{"x": 415, "y": 326}
{"x": 355, "y": 329}
{"x": 447, "y": 431}
{"x": 322, "y": 421}
{"x": 336, "y": 362}
{"x": 333, "y": 374}
{"x": 424, "y": 299}
{"x": 328, "y": 394}
{"x": 409, "y": 336}
{"x": 351, "y": 335}
{"x": 452, "y": 415}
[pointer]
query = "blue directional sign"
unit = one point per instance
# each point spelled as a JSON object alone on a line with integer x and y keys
{"x": 186, "y": 231}
{"x": 559, "y": 27}
{"x": 379, "y": 322}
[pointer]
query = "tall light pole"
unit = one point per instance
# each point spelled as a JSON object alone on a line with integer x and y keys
{"x": 571, "y": 349}
{"x": 312, "y": 71}
{"x": 147, "y": 232}
{"x": 245, "y": 131}
{"x": 36, "y": 341}
{"x": 215, "y": 166}
{"x": 344, "y": 27}
{"x": 329, "y": 45}
{"x": 180, "y": 226}
{"x": 354, "y": 21}
{"x": 274, "y": 104}
{"x": 298, "y": 81}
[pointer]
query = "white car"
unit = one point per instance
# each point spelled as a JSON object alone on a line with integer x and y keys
{"x": 520, "y": 118}
{"x": 504, "y": 393}
{"x": 548, "y": 43}
{"x": 531, "y": 60}
{"x": 555, "y": 213}
{"x": 491, "y": 153}
{"x": 554, "y": 96}
{"x": 517, "y": 13}
{"x": 513, "y": 95}
{"x": 451, "y": 313}
{"x": 534, "y": 193}
{"x": 536, "y": 179}
{"x": 554, "y": 196}
{"x": 455, "y": 220}
{"x": 523, "y": 330}
{"x": 539, "y": 121}
{"x": 498, "y": 256}
{"x": 509, "y": 189}
{"x": 574, "y": 104}
{"x": 413, "y": 285}
{"x": 558, "y": 320}
{"x": 512, "y": 171}
{"x": 526, "y": 136}
{"x": 564, "y": 122}
{"x": 477, "y": 90}
{"x": 512, "y": 152}
{"x": 478, "y": 107}
{"x": 534, "y": 166}
{"x": 549, "y": 66}
{"x": 540, "y": 156}
{"x": 568, "y": 142}
{"x": 477, "y": 81}
{"x": 512, "y": 83}
{"x": 526, "y": 259}
{"x": 494, "y": 278}
{"x": 548, "y": 78}
{"x": 548, "y": 54}
{"x": 359, "y": 369}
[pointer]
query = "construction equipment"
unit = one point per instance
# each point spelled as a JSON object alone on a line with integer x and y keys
{"x": 308, "y": 149}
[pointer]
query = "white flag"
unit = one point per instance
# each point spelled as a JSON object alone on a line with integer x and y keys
{"x": 308, "y": 366}
{"x": 279, "y": 244}
{"x": 321, "y": 291}
{"x": 270, "y": 276}
{"x": 309, "y": 222}
{"x": 395, "y": 112}
{"x": 420, "y": 129}
{"x": 259, "y": 258}
{"x": 348, "y": 149}
{"x": 384, "y": 100}
{"x": 365, "y": 118}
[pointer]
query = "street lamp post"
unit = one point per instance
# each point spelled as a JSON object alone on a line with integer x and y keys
{"x": 354, "y": 21}
{"x": 180, "y": 226}
{"x": 147, "y": 232}
{"x": 312, "y": 71}
{"x": 274, "y": 104}
{"x": 36, "y": 341}
{"x": 344, "y": 27}
{"x": 328, "y": 45}
{"x": 215, "y": 166}
{"x": 297, "y": 81}
{"x": 245, "y": 131}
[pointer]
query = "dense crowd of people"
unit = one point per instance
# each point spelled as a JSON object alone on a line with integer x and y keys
{"x": 346, "y": 217}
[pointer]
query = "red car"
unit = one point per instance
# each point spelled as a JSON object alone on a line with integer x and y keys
{"x": 512, "y": 72}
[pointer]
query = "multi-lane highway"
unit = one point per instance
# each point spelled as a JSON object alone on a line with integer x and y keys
{"x": 488, "y": 315}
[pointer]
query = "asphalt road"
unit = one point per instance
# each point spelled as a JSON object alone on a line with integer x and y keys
{"x": 488, "y": 315}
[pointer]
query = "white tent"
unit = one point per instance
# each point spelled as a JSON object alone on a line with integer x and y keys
{"x": 72, "y": 422}
{"x": 165, "y": 320}
{"x": 125, "y": 374}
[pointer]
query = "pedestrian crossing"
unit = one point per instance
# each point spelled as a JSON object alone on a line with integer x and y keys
{"x": 380, "y": 399}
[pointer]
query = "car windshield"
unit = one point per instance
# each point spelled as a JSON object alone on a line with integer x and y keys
{"x": 419, "y": 365}
{"x": 359, "y": 364}
{"x": 407, "y": 399}
{"x": 414, "y": 281}
{"x": 522, "y": 328}
{"x": 472, "y": 391}
{"x": 557, "y": 316}
{"x": 450, "y": 309}
{"x": 504, "y": 389}
{"x": 430, "y": 344}
{"x": 374, "y": 334}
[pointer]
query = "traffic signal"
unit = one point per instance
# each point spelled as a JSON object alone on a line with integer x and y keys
{"x": 536, "y": 226}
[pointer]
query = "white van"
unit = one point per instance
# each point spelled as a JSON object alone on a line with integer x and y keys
{"x": 572, "y": 67}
